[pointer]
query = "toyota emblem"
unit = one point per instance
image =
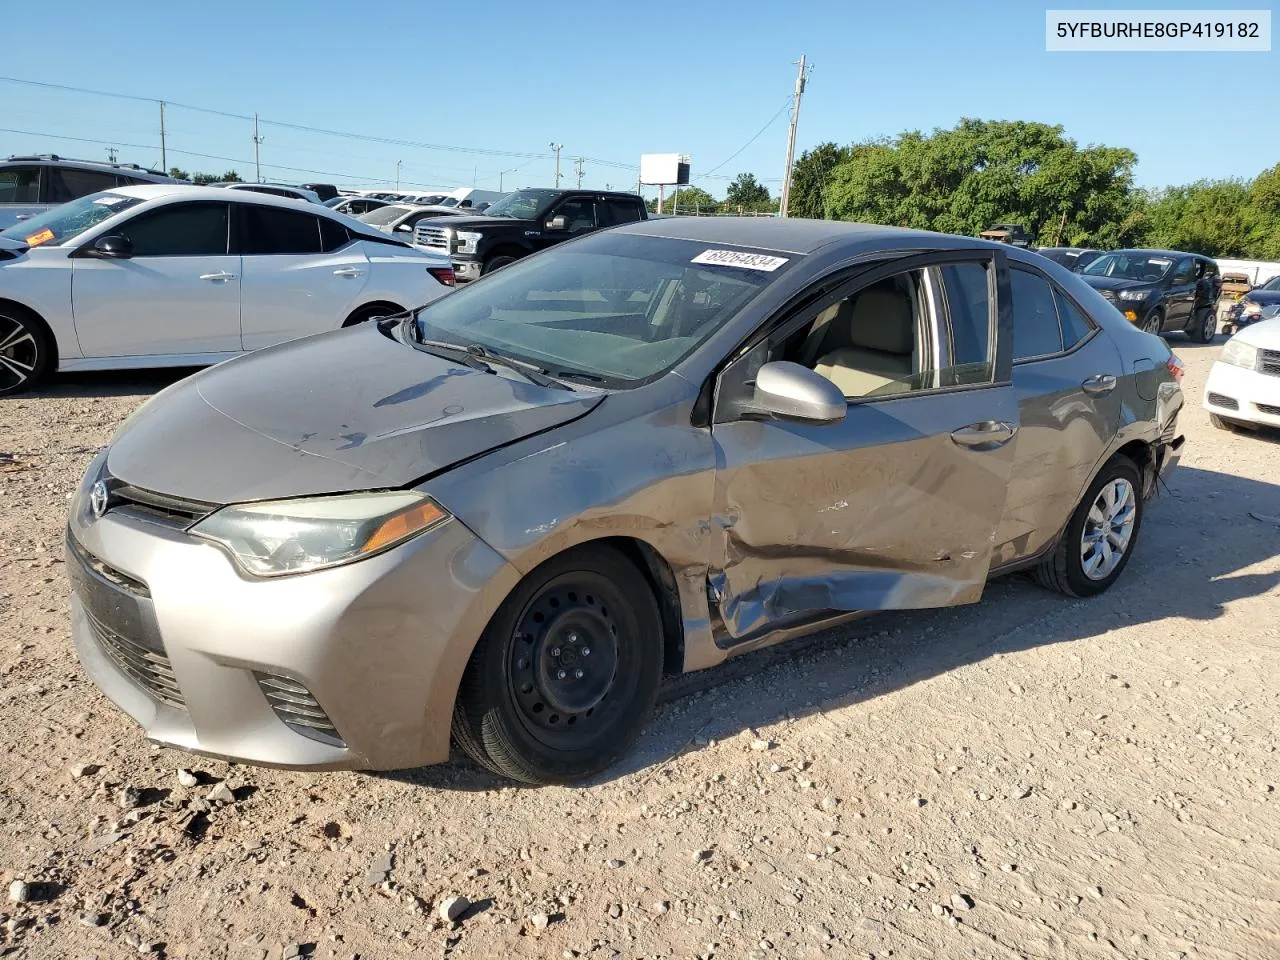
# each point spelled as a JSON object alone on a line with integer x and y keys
{"x": 98, "y": 498}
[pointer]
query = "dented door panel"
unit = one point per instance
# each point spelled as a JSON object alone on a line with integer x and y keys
{"x": 882, "y": 511}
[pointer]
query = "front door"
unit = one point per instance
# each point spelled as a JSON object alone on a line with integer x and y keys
{"x": 178, "y": 294}
{"x": 896, "y": 506}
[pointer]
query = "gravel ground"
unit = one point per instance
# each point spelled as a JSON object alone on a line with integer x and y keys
{"x": 1029, "y": 777}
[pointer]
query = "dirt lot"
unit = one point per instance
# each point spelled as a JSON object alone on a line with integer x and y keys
{"x": 1026, "y": 778}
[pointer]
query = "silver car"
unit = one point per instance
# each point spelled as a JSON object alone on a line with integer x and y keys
{"x": 509, "y": 515}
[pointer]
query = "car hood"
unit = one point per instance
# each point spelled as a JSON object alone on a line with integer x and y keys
{"x": 1264, "y": 334}
{"x": 1261, "y": 296}
{"x": 342, "y": 411}
{"x": 1115, "y": 283}
{"x": 465, "y": 222}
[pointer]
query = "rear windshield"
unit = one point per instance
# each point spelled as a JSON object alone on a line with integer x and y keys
{"x": 68, "y": 221}
{"x": 617, "y": 308}
{"x": 384, "y": 215}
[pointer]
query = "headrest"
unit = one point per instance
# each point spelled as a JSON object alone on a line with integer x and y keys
{"x": 882, "y": 320}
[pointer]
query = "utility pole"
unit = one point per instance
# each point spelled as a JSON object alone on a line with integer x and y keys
{"x": 577, "y": 163}
{"x": 111, "y": 155}
{"x": 791, "y": 138}
{"x": 557, "y": 147}
{"x": 164, "y": 157}
{"x": 257, "y": 142}
{"x": 503, "y": 173}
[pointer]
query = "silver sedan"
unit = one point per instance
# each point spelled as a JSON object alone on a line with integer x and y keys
{"x": 508, "y": 515}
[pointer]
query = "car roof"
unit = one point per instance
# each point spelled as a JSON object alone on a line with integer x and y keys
{"x": 788, "y": 235}
{"x": 1161, "y": 253}
{"x": 159, "y": 191}
{"x": 128, "y": 169}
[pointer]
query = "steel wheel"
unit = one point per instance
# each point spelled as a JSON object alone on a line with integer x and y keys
{"x": 1108, "y": 529}
{"x": 23, "y": 352}
{"x": 564, "y": 662}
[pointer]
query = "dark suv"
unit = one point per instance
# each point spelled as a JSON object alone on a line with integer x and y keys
{"x": 31, "y": 185}
{"x": 1160, "y": 290}
{"x": 522, "y": 223}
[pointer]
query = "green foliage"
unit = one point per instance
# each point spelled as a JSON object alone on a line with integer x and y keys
{"x": 694, "y": 200}
{"x": 983, "y": 172}
{"x": 1223, "y": 218}
{"x": 809, "y": 179}
{"x": 749, "y": 193}
{"x": 203, "y": 178}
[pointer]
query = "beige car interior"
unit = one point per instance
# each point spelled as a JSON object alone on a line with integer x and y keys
{"x": 865, "y": 344}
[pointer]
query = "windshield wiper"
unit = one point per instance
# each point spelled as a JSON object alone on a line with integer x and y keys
{"x": 479, "y": 357}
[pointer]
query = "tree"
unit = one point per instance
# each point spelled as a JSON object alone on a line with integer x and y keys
{"x": 746, "y": 191}
{"x": 982, "y": 172}
{"x": 229, "y": 176}
{"x": 1223, "y": 218}
{"x": 695, "y": 200}
{"x": 809, "y": 179}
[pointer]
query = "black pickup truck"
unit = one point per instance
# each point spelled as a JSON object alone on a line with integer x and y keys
{"x": 522, "y": 223}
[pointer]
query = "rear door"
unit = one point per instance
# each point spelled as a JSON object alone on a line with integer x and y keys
{"x": 1181, "y": 296}
{"x": 896, "y": 506}
{"x": 179, "y": 293}
{"x": 303, "y": 273}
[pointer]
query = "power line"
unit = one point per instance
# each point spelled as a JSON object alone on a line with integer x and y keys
{"x": 758, "y": 135}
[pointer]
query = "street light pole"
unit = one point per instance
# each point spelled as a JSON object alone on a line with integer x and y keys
{"x": 398, "y": 164}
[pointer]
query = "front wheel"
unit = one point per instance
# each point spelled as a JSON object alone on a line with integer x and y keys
{"x": 26, "y": 350}
{"x": 495, "y": 263}
{"x": 566, "y": 672}
{"x": 1099, "y": 539}
{"x": 1154, "y": 323}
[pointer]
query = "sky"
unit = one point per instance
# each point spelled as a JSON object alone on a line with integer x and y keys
{"x": 609, "y": 81}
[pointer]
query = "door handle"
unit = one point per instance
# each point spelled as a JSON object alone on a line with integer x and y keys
{"x": 218, "y": 277}
{"x": 1099, "y": 384}
{"x": 352, "y": 272}
{"x": 23, "y": 216}
{"x": 985, "y": 434}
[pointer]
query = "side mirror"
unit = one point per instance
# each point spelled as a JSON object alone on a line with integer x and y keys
{"x": 113, "y": 247}
{"x": 404, "y": 228}
{"x": 792, "y": 392}
{"x": 560, "y": 222}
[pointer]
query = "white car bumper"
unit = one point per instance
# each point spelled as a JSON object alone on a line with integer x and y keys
{"x": 1240, "y": 394}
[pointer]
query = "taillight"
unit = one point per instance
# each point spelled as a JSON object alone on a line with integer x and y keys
{"x": 444, "y": 274}
{"x": 1174, "y": 366}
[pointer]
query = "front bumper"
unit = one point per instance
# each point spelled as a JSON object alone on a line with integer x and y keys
{"x": 173, "y": 634}
{"x": 1246, "y": 395}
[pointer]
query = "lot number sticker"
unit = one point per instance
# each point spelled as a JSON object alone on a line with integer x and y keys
{"x": 743, "y": 261}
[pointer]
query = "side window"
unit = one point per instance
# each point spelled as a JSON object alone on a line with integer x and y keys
{"x": 1035, "y": 318}
{"x": 20, "y": 185}
{"x": 580, "y": 214}
{"x": 333, "y": 235}
{"x": 1075, "y": 325}
{"x": 1185, "y": 271}
{"x": 68, "y": 183}
{"x": 621, "y": 211}
{"x": 268, "y": 230}
{"x": 967, "y": 311}
{"x": 179, "y": 230}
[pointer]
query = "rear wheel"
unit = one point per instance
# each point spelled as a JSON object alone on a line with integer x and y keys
{"x": 26, "y": 349}
{"x": 1205, "y": 327}
{"x": 1099, "y": 539}
{"x": 495, "y": 263}
{"x": 566, "y": 672}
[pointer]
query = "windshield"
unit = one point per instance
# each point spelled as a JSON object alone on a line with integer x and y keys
{"x": 1129, "y": 266}
{"x": 521, "y": 205}
{"x": 384, "y": 215}
{"x": 1272, "y": 284}
{"x": 620, "y": 309}
{"x": 68, "y": 221}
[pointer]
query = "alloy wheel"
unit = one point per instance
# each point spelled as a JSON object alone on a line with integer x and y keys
{"x": 1153, "y": 323}
{"x": 1108, "y": 529}
{"x": 19, "y": 353}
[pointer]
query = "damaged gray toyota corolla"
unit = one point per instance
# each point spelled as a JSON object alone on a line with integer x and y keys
{"x": 509, "y": 514}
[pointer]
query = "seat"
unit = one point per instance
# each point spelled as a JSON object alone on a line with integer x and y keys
{"x": 867, "y": 349}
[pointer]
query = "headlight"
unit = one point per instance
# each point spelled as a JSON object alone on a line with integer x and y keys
{"x": 296, "y": 536}
{"x": 1239, "y": 354}
{"x": 466, "y": 241}
{"x": 1134, "y": 294}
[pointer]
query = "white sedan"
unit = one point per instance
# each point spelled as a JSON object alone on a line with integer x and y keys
{"x": 168, "y": 275}
{"x": 1244, "y": 384}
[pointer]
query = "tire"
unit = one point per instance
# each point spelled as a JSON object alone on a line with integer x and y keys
{"x": 26, "y": 349}
{"x": 522, "y": 712}
{"x": 1205, "y": 326}
{"x": 495, "y": 263}
{"x": 371, "y": 312}
{"x": 1065, "y": 569}
{"x": 1154, "y": 322}
{"x": 1221, "y": 423}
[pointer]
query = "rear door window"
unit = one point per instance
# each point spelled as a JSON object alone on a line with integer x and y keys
{"x": 1075, "y": 325}
{"x": 1035, "y": 317}
{"x": 621, "y": 211}
{"x": 69, "y": 183}
{"x": 268, "y": 230}
{"x": 20, "y": 185}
